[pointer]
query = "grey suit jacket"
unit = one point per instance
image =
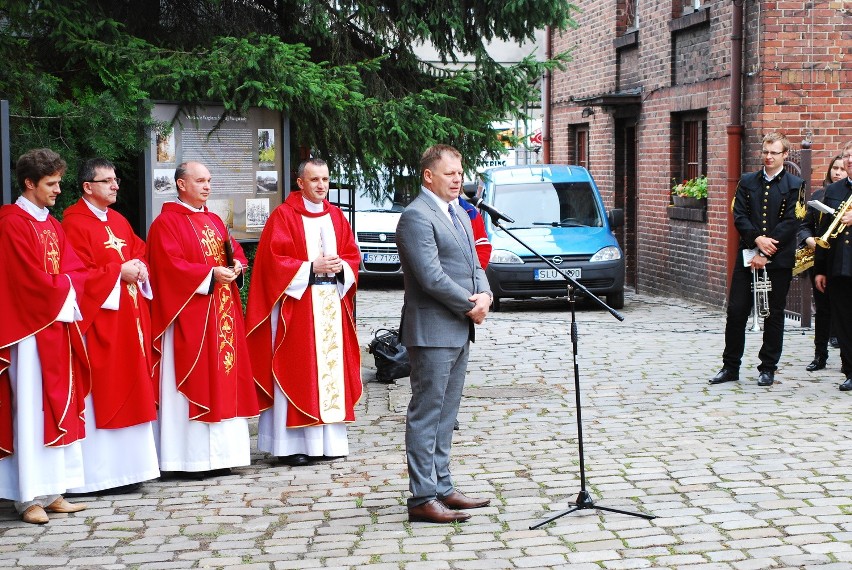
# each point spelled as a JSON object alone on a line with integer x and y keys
{"x": 441, "y": 272}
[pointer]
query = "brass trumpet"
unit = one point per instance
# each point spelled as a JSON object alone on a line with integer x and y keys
{"x": 836, "y": 227}
{"x": 760, "y": 287}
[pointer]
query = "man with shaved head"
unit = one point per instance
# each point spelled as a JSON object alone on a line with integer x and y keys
{"x": 200, "y": 353}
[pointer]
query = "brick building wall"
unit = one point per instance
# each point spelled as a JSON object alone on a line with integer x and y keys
{"x": 679, "y": 63}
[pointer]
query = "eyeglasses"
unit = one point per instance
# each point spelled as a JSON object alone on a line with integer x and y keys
{"x": 846, "y": 156}
{"x": 771, "y": 152}
{"x": 108, "y": 181}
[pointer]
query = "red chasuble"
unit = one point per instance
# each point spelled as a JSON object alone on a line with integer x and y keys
{"x": 39, "y": 267}
{"x": 212, "y": 366}
{"x": 118, "y": 342}
{"x": 292, "y": 364}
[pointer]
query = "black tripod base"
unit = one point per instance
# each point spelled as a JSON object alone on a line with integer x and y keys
{"x": 584, "y": 501}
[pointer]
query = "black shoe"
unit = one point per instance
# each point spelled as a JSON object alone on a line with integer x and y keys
{"x": 725, "y": 375}
{"x": 833, "y": 342}
{"x": 456, "y": 426}
{"x": 766, "y": 378}
{"x": 818, "y": 363}
{"x": 315, "y": 458}
{"x": 218, "y": 472}
{"x": 122, "y": 490}
{"x": 295, "y": 460}
{"x": 846, "y": 386}
{"x": 182, "y": 475}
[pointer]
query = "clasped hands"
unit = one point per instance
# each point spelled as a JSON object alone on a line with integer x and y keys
{"x": 481, "y": 304}
{"x": 134, "y": 271}
{"x": 227, "y": 275}
{"x": 328, "y": 264}
{"x": 768, "y": 246}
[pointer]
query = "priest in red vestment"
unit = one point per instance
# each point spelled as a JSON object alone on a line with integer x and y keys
{"x": 116, "y": 322}
{"x": 41, "y": 403}
{"x": 200, "y": 354}
{"x": 301, "y": 324}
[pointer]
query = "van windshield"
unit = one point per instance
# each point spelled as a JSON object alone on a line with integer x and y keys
{"x": 551, "y": 204}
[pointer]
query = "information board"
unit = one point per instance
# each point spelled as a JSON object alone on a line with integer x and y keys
{"x": 248, "y": 159}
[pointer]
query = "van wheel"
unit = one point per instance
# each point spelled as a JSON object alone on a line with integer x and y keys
{"x": 495, "y": 305}
{"x": 616, "y": 300}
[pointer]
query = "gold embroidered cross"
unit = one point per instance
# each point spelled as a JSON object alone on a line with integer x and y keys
{"x": 51, "y": 251}
{"x": 114, "y": 242}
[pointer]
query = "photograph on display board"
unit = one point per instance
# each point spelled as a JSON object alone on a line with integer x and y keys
{"x": 165, "y": 147}
{"x": 164, "y": 181}
{"x": 266, "y": 146}
{"x": 267, "y": 180}
{"x": 257, "y": 212}
{"x": 224, "y": 208}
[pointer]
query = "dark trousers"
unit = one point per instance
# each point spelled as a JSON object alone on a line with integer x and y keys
{"x": 822, "y": 320}
{"x": 740, "y": 303}
{"x": 840, "y": 297}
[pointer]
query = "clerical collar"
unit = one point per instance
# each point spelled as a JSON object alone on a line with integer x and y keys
{"x": 99, "y": 214}
{"x": 39, "y": 214}
{"x": 313, "y": 207}
{"x": 193, "y": 208}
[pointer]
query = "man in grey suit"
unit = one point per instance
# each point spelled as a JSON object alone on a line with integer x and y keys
{"x": 446, "y": 294}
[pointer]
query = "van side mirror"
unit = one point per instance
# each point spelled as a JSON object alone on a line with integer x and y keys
{"x": 616, "y": 218}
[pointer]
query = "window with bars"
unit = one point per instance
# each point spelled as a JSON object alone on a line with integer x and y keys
{"x": 626, "y": 15}
{"x": 689, "y": 134}
{"x": 581, "y": 146}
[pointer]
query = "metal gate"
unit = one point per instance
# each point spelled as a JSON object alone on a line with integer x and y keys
{"x": 800, "y": 297}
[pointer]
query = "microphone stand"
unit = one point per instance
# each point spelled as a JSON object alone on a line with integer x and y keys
{"x": 584, "y": 499}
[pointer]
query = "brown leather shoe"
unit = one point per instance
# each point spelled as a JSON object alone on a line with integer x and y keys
{"x": 60, "y": 505}
{"x": 35, "y": 515}
{"x": 457, "y": 500}
{"x": 435, "y": 512}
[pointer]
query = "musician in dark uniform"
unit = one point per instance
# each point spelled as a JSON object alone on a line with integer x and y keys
{"x": 767, "y": 209}
{"x": 807, "y": 232}
{"x": 833, "y": 267}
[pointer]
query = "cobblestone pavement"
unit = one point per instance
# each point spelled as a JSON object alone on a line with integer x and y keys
{"x": 739, "y": 477}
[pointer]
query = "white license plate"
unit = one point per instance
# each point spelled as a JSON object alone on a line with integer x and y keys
{"x": 552, "y": 275}
{"x": 381, "y": 258}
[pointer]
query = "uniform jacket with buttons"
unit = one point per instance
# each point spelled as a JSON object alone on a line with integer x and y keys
{"x": 836, "y": 260}
{"x": 768, "y": 208}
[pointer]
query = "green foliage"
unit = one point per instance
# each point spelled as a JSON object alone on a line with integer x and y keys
{"x": 692, "y": 188}
{"x": 77, "y": 74}
{"x": 250, "y": 250}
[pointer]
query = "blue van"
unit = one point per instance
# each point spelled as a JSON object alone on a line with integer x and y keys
{"x": 558, "y": 211}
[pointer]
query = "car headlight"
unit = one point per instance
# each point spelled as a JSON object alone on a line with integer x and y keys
{"x": 503, "y": 256}
{"x": 609, "y": 253}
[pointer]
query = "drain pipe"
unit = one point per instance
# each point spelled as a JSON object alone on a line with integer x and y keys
{"x": 546, "y": 91}
{"x": 735, "y": 130}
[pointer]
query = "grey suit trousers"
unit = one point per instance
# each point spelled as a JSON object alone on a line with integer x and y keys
{"x": 437, "y": 381}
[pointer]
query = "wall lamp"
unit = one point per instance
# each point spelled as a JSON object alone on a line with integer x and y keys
{"x": 587, "y": 112}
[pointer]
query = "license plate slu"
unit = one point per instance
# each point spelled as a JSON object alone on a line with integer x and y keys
{"x": 552, "y": 275}
{"x": 381, "y": 258}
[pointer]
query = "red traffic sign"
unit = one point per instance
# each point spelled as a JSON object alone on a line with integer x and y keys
{"x": 536, "y": 138}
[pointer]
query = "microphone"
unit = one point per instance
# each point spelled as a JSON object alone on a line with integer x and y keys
{"x": 496, "y": 214}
